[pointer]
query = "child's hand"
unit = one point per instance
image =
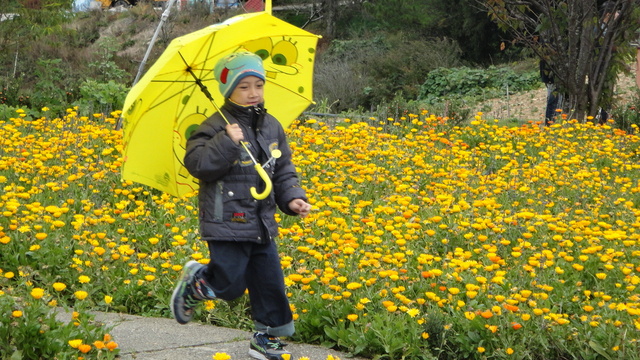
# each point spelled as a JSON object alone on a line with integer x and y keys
{"x": 300, "y": 207}
{"x": 235, "y": 133}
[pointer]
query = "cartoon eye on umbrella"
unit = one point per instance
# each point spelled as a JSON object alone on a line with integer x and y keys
{"x": 171, "y": 99}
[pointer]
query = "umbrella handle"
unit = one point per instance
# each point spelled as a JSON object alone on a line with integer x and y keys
{"x": 265, "y": 177}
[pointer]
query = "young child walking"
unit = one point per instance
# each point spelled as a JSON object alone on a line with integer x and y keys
{"x": 240, "y": 230}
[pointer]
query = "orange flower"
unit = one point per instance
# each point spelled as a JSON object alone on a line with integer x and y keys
{"x": 84, "y": 348}
{"x": 487, "y": 314}
{"x": 510, "y": 307}
{"x": 516, "y": 326}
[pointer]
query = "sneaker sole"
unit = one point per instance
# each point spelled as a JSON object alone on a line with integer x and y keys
{"x": 260, "y": 356}
{"x": 257, "y": 355}
{"x": 176, "y": 291}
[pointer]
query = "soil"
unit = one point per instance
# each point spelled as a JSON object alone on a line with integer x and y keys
{"x": 530, "y": 105}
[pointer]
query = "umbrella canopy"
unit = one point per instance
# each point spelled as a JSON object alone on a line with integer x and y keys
{"x": 170, "y": 100}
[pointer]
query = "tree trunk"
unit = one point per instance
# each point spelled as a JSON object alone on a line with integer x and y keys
{"x": 584, "y": 45}
{"x": 331, "y": 8}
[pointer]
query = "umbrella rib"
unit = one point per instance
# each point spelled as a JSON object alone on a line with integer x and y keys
{"x": 199, "y": 82}
{"x": 206, "y": 92}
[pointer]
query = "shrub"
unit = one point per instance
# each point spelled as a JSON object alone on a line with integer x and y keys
{"x": 627, "y": 116}
{"x": 465, "y": 81}
{"x": 101, "y": 97}
{"x": 363, "y": 72}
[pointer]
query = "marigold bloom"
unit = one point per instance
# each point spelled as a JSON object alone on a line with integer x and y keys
{"x": 81, "y": 295}
{"x": 16, "y": 313}
{"x": 221, "y": 356}
{"x": 59, "y": 286}
{"x": 37, "y": 293}
{"x": 354, "y": 286}
{"x": 75, "y": 343}
{"x": 84, "y": 348}
{"x": 487, "y": 314}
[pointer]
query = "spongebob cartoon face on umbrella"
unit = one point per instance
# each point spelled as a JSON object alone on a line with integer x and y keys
{"x": 167, "y": 105}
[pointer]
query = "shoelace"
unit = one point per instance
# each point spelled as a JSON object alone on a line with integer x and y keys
{"x": 275, "y": 343}
{"x": 190, "y": 302}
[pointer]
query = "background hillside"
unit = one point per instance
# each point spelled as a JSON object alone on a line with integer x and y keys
{"x": 418, "y": 56}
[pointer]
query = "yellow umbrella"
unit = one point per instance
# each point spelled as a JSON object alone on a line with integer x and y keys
{"x": 170, "y": 100}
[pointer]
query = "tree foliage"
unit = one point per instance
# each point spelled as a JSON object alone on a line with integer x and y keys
{"x": 461, "y": 20}
{"x": 585, "y": 43}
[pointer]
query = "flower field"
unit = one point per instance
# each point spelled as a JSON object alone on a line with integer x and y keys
{"x": 427, "y": 240}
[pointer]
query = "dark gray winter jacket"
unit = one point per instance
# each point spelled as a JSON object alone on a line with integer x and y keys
{"x": 226, "y": 172}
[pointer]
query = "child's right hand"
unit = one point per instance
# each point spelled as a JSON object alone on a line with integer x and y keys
{"x": 235, "y": 133}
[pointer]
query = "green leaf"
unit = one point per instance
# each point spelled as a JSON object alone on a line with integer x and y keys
{"x": 17, "y": 355}
{"x": 599, "y": 349}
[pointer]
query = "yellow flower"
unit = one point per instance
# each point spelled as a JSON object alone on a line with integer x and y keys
{"x": 413, "y": 312}
{"x": 221, "y": 356}
{"x": 83, "y": 279}
{"x": 16, "y": 313}
{"x": 75, "y": 343}
{"x": 352, "y": 317}
{"x": 37, "y": 293}
{"x": 354, "y": 286}
{"x": 481, "y": 349}
{"x": 81, "y": 295}
{"x": 59, "y": 286}
{"x": 108, "y": 299}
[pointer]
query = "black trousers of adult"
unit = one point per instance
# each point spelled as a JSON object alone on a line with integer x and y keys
{"x": 237, "y": 266}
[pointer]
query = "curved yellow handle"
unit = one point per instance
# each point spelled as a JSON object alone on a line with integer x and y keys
{"x": 265, "y": 177}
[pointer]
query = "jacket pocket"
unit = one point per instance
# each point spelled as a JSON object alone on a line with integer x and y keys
{"x": 212, "y": 202}
{"x": 238, "y": 206}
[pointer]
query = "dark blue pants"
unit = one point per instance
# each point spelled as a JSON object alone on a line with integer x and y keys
{"x": 554, "y": 99}
{"x": 237, "y": 266}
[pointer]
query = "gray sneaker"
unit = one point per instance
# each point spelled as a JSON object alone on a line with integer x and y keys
{"x": 267, "y": 347}
{"x": 185, "y": 298}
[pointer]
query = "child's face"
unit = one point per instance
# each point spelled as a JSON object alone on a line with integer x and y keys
{"x": 249, "y": 91}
